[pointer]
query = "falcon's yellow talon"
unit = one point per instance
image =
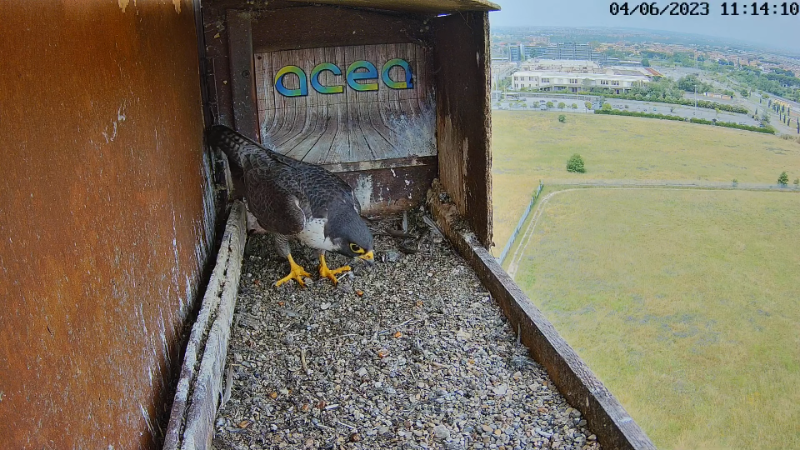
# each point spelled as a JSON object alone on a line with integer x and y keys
{"x": 328, "y": 273}
{"x": 297, "y": 273}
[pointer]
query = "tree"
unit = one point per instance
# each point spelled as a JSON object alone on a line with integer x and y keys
{"x": 562, "y": 118}
{"x": 606, "y": 107}
{"x": 645, "y": 62}
{"x": 575, "y": 164}
{"x": 588, "y": 105}
{"x": 549, "y": 105}
{"x": 783, "y": 179}
{"x": 574, "y": 106}
{"x": 561, "y": 105}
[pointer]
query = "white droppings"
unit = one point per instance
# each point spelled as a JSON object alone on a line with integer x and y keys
{"x": 363, "y": 191}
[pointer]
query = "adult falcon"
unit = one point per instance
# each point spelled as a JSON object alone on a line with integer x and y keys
{"x": 297, "y": 200}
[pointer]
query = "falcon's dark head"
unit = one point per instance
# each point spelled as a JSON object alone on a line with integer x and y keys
{"x": 350, "y": 235}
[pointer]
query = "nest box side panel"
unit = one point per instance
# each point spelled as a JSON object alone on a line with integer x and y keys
{"x": 463, "y": 116}
{"x": 106, "y": 218}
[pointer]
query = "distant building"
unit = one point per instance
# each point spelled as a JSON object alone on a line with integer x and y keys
{"x": 618, "y": 81}
{"x": 513, "y": 54}
{"x": 571, "y": 51}
{"x": 560, "y": 65}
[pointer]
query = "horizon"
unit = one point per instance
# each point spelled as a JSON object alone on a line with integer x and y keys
{"x": 772, "y": 33}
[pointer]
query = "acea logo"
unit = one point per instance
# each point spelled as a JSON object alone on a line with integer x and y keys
{"x": 357, "y": 71}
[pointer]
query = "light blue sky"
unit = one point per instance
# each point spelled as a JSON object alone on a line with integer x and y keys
{"x": 773, "y": 31}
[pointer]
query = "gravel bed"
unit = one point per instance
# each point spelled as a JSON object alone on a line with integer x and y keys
{"x": 410, "y": 354}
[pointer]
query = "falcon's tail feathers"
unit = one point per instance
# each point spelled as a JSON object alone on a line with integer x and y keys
{"x": 237, "y": 146}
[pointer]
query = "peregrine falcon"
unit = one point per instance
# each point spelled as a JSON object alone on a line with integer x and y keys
{"x": 296, "y": 200}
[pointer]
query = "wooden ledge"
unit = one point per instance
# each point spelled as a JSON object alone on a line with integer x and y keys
{"x": 605, "y": 416}
{"x": 191, "y": 423}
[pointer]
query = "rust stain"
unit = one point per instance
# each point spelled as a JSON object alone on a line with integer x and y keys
{"x": 105, "y": 219}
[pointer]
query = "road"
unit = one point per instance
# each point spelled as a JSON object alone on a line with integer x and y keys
{"x": 533, "y": 104}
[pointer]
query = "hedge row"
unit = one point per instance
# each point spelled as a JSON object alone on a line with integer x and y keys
{"x": 673, "y": 101}
{"x": 766, "y": 129}
{"x": 616, "y": 112}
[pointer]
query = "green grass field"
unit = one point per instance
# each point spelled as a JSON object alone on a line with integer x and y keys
{"x": 532, "y": 146}
{"x": 684, "y": 303}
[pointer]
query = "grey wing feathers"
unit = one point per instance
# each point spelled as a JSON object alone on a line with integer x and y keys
{"x": 276, "y": 201}
{"x": 296, "y": 184}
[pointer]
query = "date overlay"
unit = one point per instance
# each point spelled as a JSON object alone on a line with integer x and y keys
{"x": 704, "y": 9}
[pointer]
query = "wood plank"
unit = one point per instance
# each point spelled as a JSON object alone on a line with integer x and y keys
{"x": 394, "y": 163}
{"x": 575, "y": 381}
{"x": 311, "y": 27}
{"x": 419, "y": 6}
{"x": 463, "y": 123}
{"x": 387, "y": 191}
{"x": 240, "y": 41}
{"x": 191, "y": 424}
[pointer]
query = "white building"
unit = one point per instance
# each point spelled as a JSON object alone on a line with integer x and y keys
{"x": 619, "y": 81}
{"x": 559, "y": 65}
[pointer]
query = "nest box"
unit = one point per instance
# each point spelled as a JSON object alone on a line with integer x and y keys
{"x": 390, "y": 95}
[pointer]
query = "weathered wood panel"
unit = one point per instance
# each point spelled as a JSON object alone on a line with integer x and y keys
{"x": 390, "y": 190}
{"x": 463, "y": 116}
{"x": 240, "y": 40}
{"x": 350, "y": 125}
{"x": 310, "y": 27}
{"x": 575, "y": 381}
{"x": 106, "y": 217}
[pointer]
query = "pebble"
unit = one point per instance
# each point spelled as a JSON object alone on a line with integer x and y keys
{"x": 421, "y": 358}
{"x": 441, "y": 432}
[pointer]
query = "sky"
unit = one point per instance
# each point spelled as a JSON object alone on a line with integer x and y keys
{"x": 781, "y": 32}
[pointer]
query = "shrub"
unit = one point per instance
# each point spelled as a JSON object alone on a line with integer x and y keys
{"x": 575, "y": 164}
{"x": 562, "y": 118}
{"x": 783, "y": 180}
{"x": 796, "y": 182}
{"x": 606, "y": 107}
{"x": 735, "y": 182}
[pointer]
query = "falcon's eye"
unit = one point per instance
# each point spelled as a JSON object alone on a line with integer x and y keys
{"x": 356, "y": 249}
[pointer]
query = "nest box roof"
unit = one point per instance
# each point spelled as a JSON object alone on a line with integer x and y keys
{"x": 417, "y": 6}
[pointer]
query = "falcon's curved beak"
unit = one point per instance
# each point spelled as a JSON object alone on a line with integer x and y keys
{"x": 369, "y": 257}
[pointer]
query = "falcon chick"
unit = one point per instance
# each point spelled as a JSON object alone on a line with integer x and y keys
{"x": 297, "y": 200}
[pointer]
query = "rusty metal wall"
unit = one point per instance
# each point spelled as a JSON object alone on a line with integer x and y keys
{"x": 106, "y": 217}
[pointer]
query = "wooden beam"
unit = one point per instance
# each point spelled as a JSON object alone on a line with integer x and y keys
{"x": 426, "y": 6}
{"x": 463, "y": 116}
{"x": 604, "y": 414}
{"x": 240, "y": 42}
{"x": 312, "y": 27}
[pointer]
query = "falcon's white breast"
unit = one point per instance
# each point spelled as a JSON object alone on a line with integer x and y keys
{"x": 313, "y": 235}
